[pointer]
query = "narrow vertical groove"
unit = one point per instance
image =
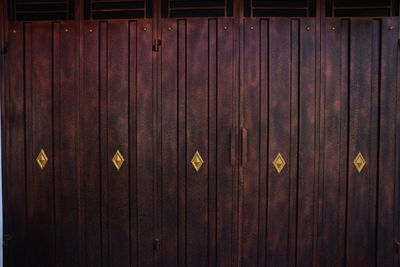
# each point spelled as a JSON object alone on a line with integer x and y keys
{"x": 260, "y": 105}
{"x": 129, "y": 146}
{"x": 55, "y": 105}
{"x": 347, "y": 137}
{"x": 298, "y": 95}
{"x": 378, "y": 136}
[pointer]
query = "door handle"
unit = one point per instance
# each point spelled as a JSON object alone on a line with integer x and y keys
{"x": 244, "y": 147}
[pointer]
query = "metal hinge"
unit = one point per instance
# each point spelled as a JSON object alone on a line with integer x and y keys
{"x": 6, "y": 239}
{"x": 156, "y": 45}
{"x": 5, "y": 49}
{"x": 157, "y": 244}
{"x": 397, "y": 247}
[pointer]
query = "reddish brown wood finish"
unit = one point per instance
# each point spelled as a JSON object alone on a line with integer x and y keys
{"x": 197, "y": 115}
{"x": 358, "y": 209}
{"x": 237, "y": 91}
{"x": 280, "y": 117}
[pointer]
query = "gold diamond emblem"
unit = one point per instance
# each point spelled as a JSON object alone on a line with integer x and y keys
{"x": 279, "y": 163}
{"x": 118, "y": 160}
{"x": 359, "y": 162}
{"x": 197, "y": 161}
{"x": 42, "y": 159}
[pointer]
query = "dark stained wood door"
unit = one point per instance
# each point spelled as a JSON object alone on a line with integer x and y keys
{"x": 238, "y": 92}
{"x": 358, "y": 109}
{"x": 117, "y": 114}
{"x": 279, "y": 117}
{"x": 198, "y": 208}
{"x": 41, "y": 207}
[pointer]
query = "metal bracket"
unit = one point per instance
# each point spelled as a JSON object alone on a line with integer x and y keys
{"x": 397, "y": 247}
{"x": 156, "y": 45}
{"x": 157, "y": 244}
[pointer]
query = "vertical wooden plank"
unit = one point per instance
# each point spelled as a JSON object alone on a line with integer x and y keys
{"x": 335, "y": 58}
{"x": 387, "y": 151}
{"x": 104, "y": 159}
{"x": 40, "y": 198}
{"x": 133, "y": 157}
{"x": 279, "y": 142}
{"x": 293, "y": 161}
{"x": 14, "y": 180}
{"x": 170, "y": 143}
{"x": 344, "y": 139}
{"x": 117, "y": 139}
{"x": 374, "y": 115}
{"x": 307, "y": 136}
{"x": 225, "y": 165}
{"x": 212, "y": 140}
{"x": 144, "y": 144}
{"x": 66, "y": 187}
{"x": 251, "y": 180}
{"x": 264, "y": 111}
{"x": 89, "y": 149}
{"x": 358, "y": 205}
{"x": 197, "y": 140}
{"x": 182, "y": 137}
{"x": 397, "y": 163}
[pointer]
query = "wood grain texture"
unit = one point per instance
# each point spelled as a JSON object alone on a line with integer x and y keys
{"x": 83, "y": 91}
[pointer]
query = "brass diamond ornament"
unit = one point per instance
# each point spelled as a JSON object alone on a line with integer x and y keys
{"x": 279, "y": 163}
{"x": 118, "y": 160}
{"x": 359, "y": 162}
{"x": 197, "y": 161}
{"x": 42, "y": 159}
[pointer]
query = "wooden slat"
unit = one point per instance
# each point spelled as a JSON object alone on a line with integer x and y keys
{"x": 65, "y": 146}
{"x": 197, "y": 140}
{"x": 117, "y": 139}
{"x": 170, "y": 142}
{"x": 387, "y": 151}
{"x": 252, "y": 115}
{"x": 14, "y": 180}
{"x": 40, "y": 198}
{"x": 225, "y": 171}
{"x": 89, "y": 146}
{"x": 145, "y": 148}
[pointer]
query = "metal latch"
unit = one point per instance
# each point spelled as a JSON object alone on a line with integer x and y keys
{"x": 157, "y": 244}
{"x": 156, "y": 45}
{"x": 397, "y": 247}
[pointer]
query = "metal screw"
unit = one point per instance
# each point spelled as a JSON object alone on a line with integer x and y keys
{"x": 145, "y": 29}
{"x": 225, "y": 28}
{"x": 170, "y": 28}
{"x": 308, "y": 28}
{"x": 66, "y": 30}
{"x": 390, "y": 28}
{"x": 333, "y": 28}
{"x": 91, "y": 30}
{"x": 14, "y": 31}
{"x": 251, "y": 27}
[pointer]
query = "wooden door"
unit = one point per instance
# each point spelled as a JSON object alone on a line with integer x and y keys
{"x": 358, "y": 109}
{"x": 279, "y": 119}
{"x": 117, "y": 114}
{"x": 41, "y": 207}
{"x": 198, "y": 208}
